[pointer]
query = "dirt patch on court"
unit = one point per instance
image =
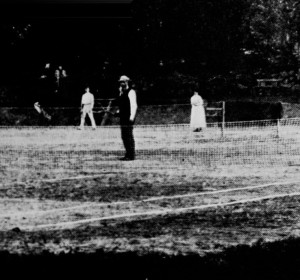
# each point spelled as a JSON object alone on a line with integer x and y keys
{"x": 197, "y": 231}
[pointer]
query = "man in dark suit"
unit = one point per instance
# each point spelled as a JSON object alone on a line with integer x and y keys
{"x": 127, "y": 110}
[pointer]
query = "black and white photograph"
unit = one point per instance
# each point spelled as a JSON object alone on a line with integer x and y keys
{"x": 150, "y": 139}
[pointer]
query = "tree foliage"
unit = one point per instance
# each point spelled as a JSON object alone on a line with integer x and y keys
{"x": 273, "y": 32}
{"x": 199, "y": 33}
{"x": 220, "y": 35}
{"x": 196, "y": 37}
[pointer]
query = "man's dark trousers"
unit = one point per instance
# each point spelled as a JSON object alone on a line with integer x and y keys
{"x": 128, "y": 140}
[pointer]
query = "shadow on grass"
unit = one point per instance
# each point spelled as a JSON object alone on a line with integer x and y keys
{"x": 277, "y": 260}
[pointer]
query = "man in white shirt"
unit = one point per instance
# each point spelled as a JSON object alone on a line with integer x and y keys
{"x": 127, "y": 110}
{"x": 87, "y": 105}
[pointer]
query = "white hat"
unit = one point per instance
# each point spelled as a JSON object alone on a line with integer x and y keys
{"x": 124, "y": 79}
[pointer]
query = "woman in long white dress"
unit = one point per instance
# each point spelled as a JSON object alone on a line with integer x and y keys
{"x": 198, "y": 118}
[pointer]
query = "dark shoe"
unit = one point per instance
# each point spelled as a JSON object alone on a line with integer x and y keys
{"x": 126, "y": 158}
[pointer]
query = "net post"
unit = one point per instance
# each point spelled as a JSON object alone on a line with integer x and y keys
{"x": 223, "y": 118}
{"x": 278, "y": 128}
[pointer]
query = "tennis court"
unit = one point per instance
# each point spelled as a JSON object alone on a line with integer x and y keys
{"x": 186, "y": 192}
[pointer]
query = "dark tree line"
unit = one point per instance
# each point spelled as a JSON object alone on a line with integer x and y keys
{"x": 221, "y": 35}
{"x": 160, "y": 38}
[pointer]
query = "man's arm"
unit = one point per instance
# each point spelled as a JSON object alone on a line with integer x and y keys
{"x": 133, "y": 104}
{"x": 92, "y": 101}
{"x": 81, "y": 104}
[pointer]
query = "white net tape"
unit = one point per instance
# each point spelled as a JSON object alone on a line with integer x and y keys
{"x": 66, "y": 149}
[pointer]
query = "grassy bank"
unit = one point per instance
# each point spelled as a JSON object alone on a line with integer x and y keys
{"x": 278, "y": 260}
{"x": 153, "y": 114}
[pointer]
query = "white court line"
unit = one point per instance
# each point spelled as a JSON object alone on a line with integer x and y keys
{"x": 55, "y": 180}
{"x": 157, "y": 198}
{"x": 220, "y": 191}
{"x": 159, "y": 212}
{"x": 35, "y": 212}
{"x": 4, "y": 186}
